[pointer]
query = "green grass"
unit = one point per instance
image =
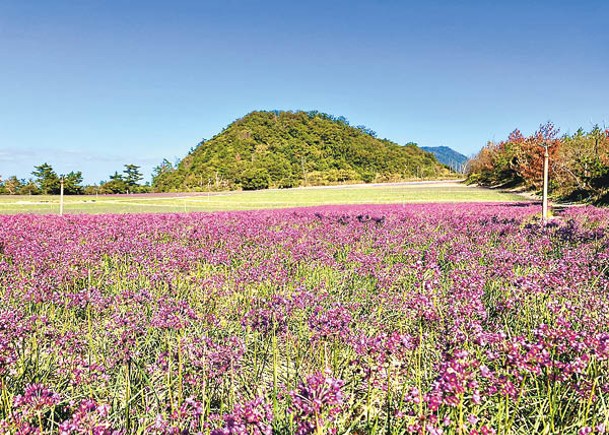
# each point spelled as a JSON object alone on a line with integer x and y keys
{"x": 300, "y": 197}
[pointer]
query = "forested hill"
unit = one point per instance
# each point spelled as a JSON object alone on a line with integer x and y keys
{"x": 288, "y": 149}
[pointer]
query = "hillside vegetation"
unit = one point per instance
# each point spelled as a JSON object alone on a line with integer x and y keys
{"x": 579, "y": 163}
{"x": 288, "y": 149}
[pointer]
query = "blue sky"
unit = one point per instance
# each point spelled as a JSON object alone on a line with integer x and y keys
{"x": 94, "y": 84}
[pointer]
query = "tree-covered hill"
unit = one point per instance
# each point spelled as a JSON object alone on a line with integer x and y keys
{"x": 287, "y": 149}
{"x": 449, "y": 157}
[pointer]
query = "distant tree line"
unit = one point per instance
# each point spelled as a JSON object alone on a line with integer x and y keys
{"x": 45, "y": 181}
{"x": 579, "y": 163}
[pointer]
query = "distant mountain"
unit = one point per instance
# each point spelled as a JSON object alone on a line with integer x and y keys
{"x": 449, "y": 157}
{"x": 287, "y": 149}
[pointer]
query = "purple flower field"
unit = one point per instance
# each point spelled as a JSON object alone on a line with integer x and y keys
{"x": 422, "y": 319}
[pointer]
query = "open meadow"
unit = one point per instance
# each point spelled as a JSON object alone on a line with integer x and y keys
{"x": 445, "y": 191}
{"x": 406, "y": 318}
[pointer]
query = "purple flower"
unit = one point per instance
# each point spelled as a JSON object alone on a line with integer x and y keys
{"x": 89, "y": 418}
{"x": 316, "y": 402}
{"x": 251, "y": 418}
{"x": 36, "y": 397}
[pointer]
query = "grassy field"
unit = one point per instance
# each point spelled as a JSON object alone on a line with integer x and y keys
{"x": 300, "y": 197}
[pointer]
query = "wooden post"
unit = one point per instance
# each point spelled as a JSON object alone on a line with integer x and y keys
{"x": 546, "y": 161}
{"x": 61, "y": 197}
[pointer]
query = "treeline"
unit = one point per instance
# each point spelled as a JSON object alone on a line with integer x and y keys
{"x": 579, "y": 163}
{"x": 283, "y": 149}
{"x": 46, "y": 181}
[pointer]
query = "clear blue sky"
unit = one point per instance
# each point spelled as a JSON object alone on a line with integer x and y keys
{"x": 93, "y": 84}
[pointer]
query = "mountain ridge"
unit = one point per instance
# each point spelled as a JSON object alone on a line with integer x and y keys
{"x": 449, "y": 157}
